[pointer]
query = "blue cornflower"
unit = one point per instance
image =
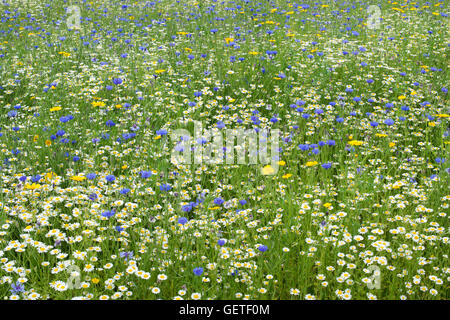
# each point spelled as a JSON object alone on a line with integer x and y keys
{"x": 220, "y": 125}
{"x": 124, "y": 191}
{"x": 198, "y": 271}
{"x": 161, "y": 132}
{"x": 303, "y": 147}
{"x": 262, "y": 248}
{"x": 105, "y": 136}
{"x": 17, "y": 287}
{"x": 64, "y": 119}
{"x": 91, "y": 176}
{"x": 146, "y": 174}
{"x": 165, "y": 187}
{"x": 326, "y": 165}
{"x": 126, "y": 255}
{"x": 12, "y": 113}
{"x": 108, "y": 214}
{"x": 117, "y": 81}
{"x": 182, "y": 220}
{"x": 186, "y": 208}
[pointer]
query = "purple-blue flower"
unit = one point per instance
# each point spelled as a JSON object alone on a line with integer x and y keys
{"x": 182, "y": 220}
{"x": 91, "y": 176}
{"x": 326, "y": 165}
{"x": 17, "y": 288}
{"x": 165, "y": 187}
{"x": 198, "y": 271}
{"x": 117, "y": 81}
{"x": 262, "y": 248}
{"x": 124, "y": 191}
{"x": 146, "y": 174}
{"x": 126, "y": 255}
{"x": 108, "y": 214}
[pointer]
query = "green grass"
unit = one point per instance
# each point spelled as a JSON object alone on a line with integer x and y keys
{"x": 321, "y": 226}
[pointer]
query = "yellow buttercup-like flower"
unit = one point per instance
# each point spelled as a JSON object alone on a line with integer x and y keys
{"x": 267, "y": 170}
{"x": 77, "y": 178}
{"x": 33, "y": 186}
{"x": 355, "y": 142}
{"x": 311, "y": 163}
{"x": 98, "y": 104}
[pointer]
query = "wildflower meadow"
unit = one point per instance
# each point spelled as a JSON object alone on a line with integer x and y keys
{"x": 224, "y": 150}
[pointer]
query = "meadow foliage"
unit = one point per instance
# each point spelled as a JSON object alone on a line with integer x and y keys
{"x": 98, "y": 98}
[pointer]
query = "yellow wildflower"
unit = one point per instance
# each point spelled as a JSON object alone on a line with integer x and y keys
{"x": 267, "y": 170}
